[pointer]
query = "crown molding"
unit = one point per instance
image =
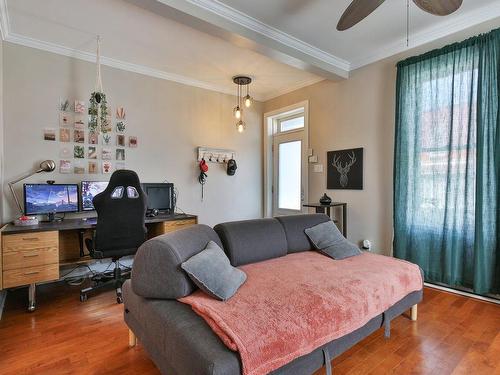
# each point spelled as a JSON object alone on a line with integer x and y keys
{"x": 431, "y": 34}
{"x": 242, "y": 19}
{"x": 291, "y": 88}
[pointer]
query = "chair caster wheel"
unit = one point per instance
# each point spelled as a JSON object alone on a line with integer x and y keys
{"x": 119, "y": 299}
{"x": 83, "y": 297}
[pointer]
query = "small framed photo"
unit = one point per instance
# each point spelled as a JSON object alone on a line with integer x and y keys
{"x": 78, "y": 152}
{"x": 132, "y": 142}
{"x": 79, "y": 106}
{"x": 66, "y": 152}
{"x": 79, "y": 136}
{"x": 119, "y": 165}
{"x": 49, "y": 134}
{"x": 92, "y": 152}
{"x": 106, "y": 126}
{"x": 79, "y": 168}
{"x": 93, "y": 167}
{"x": 106, "y": 154}
{"x": 64, "y": 135}
{"x": 120, "y": 140}
{"x": 65, "y": 118}
{"x": 106, "y": 139}
{"x": 120, "y": 154}
{"x": 93, "y": 138}
{"x": 80, "y": 122}
{"x": 107, "y": 167}
{"x": 65, "y": 166}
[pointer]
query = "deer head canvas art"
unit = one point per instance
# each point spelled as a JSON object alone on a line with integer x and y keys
{"x": 345, "y": 169}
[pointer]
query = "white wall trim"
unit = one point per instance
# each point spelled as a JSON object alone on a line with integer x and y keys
{"x": 242, "y": 19}
{"x": 447, "y": 27}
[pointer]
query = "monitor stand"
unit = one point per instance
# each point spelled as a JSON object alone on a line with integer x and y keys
{"x": 51, "y": 217}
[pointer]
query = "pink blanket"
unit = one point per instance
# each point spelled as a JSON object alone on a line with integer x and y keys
{"x": 291, "y": 305}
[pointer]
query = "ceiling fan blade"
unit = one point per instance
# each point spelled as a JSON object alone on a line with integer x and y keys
{"x": 438, "y": 7}
{"x": 356, "y": 11}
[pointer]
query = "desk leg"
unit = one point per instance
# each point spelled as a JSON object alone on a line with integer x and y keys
{"x": 81, "y": 232}
{"x": 31, "y": 297}
{"x": 344, "y": 220}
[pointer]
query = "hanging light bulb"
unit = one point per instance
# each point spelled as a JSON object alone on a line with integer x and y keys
{"x": 237, "y": 112}
{"x": 240, "y": 126}
{"x": 248, "y": 101}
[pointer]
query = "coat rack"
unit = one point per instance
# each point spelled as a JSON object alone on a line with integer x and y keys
{"x": 215, "y": 155}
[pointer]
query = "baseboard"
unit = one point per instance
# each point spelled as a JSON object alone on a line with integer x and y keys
{"x": 462, "y": 293}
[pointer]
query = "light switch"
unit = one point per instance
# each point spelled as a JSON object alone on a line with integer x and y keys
{"x": 313, "y": 159}
{"x": 318, "y": 168}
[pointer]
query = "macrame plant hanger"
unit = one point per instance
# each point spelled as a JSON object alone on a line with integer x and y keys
{"x": 98, "y": 105}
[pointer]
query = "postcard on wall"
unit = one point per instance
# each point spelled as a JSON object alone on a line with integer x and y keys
{"x": 65, "y": 118}
{"x": 119, "y": 165}
{"x": 120, "y": 126}
{"x": 49, "y": 134}
{"x": 106, "y": 139}
{"x": 78, "y": 152}
{"x": 93, "y": 137}
{"x": 65, "y": 166}
{"x": 107, "y": 167}
{"x": 79, "y": 167}
{"x": 64, "y": 135}
{"x": 64, "y": 105}
{"x": 120, "y": 154}
{"x": 106, "y": 154}
{"x": 66, "y": 152}
{"x": 132, "y": 142}
{"x": 92, "y": 152}
{"x": 80, "y": 122}
{"x": 120, "y": 140}
{"x": 120, "y": 113}
{"x": 93, "y": 167}
{"x": 79, "y": 106}
{"x": 79, "y": 136}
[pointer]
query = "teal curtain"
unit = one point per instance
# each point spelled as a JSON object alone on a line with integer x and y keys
{"x": 447, "y": 163}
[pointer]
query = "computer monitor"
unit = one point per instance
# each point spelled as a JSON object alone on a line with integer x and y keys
{"x": 160, "y": 196}
{"x": 89, "y": 190}
{"x": 49, "y": 199}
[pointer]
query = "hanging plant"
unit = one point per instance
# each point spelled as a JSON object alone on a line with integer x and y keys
{"x": 98, "y": 112}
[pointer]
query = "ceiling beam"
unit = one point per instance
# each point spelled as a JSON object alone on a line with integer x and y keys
{"x": 220, "y": 20}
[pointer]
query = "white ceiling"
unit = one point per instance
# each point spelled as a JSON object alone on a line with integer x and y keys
{"x": 282, "y": 44}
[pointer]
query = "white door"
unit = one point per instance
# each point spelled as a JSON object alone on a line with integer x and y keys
{"x": 289, "y": 164}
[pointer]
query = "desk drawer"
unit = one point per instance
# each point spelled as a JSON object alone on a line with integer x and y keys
{"x": 171, "y": 226}
{"x": 30, "y": 241}
{"x": 30, "y": 258}
{"x": 25, "y": 276}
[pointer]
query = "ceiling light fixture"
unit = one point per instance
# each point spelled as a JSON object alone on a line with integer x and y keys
{"x": 247, "y": 100}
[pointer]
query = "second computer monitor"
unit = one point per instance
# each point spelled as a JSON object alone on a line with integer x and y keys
{"x": 160, "y": 196}
{"x": 89, "y": 190}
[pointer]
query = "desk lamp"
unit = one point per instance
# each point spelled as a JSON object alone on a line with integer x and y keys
{"x": 45, "y": 166}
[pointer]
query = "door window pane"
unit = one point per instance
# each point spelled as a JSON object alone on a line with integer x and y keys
{"x": 292, "y": 124}
{"x": 289, "y": 175}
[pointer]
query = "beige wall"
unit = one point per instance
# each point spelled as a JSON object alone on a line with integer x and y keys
{"x": 359, "y": 112}
{"x": 171, "y": 120}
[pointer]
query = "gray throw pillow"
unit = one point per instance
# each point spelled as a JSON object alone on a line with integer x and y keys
{"x": 211, "y": 271}
{"x": 327, "y": 238}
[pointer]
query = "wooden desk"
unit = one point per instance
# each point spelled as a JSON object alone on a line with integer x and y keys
{"x": 327, "y": 208}
{"x": 34, "y": 254}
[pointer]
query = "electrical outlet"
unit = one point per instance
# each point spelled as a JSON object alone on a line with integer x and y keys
{"x": 318, "y": 168}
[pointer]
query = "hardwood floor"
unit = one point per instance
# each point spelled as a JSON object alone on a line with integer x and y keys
{"x": 453, "y": 335}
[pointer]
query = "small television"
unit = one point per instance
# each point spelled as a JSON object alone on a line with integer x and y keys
{"x": 89, "y": 190}
{"x": 49, "y": 199}
{"x": 160, "y": 196}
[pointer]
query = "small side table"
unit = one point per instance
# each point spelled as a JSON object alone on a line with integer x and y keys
{"x": 327, "y": 208}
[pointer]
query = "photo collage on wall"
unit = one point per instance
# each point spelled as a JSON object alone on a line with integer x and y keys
{"x": 83, "y": 151}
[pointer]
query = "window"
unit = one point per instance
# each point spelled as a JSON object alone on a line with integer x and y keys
{"x": 291, "y": 123}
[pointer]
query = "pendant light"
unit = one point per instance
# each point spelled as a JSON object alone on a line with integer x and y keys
{"x": 241, "y": 81}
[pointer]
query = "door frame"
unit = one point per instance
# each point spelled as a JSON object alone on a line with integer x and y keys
{"x": 270, "y": 128}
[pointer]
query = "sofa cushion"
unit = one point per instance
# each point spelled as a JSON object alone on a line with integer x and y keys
{"x": 157, "y": 269}
{"x": 211, "y": 272}
{"x": 251, "y": 241}
{"x": 327, "y": 239}
{"x": 294, "y": 226}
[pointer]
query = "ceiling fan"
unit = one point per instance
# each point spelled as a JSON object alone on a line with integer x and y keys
{"x": 359, "y": 9}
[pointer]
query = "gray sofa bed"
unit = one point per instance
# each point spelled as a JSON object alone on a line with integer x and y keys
{"x": 178, "y": 340}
